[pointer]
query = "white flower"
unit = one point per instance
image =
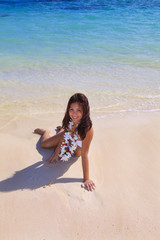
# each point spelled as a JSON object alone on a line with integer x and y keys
{"x": 70, "y": 125}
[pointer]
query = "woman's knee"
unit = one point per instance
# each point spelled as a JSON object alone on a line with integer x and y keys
{"x": 43, "y": 145}
{"x": 47, "y": 144}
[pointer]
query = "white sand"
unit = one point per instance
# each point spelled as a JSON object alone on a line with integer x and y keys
{"x": 124, "y": 163}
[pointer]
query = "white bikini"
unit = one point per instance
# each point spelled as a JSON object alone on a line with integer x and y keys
{"x": 79, "y": 143}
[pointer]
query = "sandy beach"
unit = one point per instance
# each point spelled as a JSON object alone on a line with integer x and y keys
{"x": 109, "y": 51}
{"x": 41, "y": 203}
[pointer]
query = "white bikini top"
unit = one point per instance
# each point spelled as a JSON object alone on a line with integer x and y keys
{"x": 79, "y": 143}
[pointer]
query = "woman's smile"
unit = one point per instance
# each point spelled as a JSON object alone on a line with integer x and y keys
{"x": 76, "y": 112}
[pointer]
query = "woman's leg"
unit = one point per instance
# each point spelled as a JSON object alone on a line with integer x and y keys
{"x": 47, "y": 141}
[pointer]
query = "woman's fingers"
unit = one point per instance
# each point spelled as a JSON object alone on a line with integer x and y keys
{"x": 59, "y": 127}
{"x": 55, "y": 160}
{"x": 89, "y": 185}
{"x": 48, "y": 160}
{"x": 52, "y": 159}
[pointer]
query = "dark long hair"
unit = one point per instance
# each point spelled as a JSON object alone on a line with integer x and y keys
{"x": 85, "y": 123}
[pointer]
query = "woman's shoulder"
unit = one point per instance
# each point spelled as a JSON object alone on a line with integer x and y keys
{"x": 90, "y": 131}
{"x": 89, "y": 134}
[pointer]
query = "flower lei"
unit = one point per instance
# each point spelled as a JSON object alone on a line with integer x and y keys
{"x": 69, "y": 144}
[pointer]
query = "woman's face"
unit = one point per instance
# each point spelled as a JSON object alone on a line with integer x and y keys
{"x": 76, "y": 112}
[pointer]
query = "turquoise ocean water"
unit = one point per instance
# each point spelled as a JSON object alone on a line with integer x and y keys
{"x": 110, "y": 50}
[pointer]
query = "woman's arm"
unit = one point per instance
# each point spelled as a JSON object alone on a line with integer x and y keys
{"x": 85, "y": 162}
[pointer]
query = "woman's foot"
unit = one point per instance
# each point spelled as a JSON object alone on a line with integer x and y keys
{"x": 39, "y": 131}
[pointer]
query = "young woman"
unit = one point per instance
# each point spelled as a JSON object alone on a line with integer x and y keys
{"x": 74, "y": 137}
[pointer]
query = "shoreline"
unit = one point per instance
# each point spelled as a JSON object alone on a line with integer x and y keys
{"x": 124, "y": 163}
{"x": 95, "y": 115}
{"x": 115, "y": 88}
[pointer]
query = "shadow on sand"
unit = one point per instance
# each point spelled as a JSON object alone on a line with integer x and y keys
{"x": 39, "y": 175}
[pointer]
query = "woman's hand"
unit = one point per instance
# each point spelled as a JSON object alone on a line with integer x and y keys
{"x": 53, "y": 158}
{"x": 58, "y": 129}
{"x": 89, "y": 185}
